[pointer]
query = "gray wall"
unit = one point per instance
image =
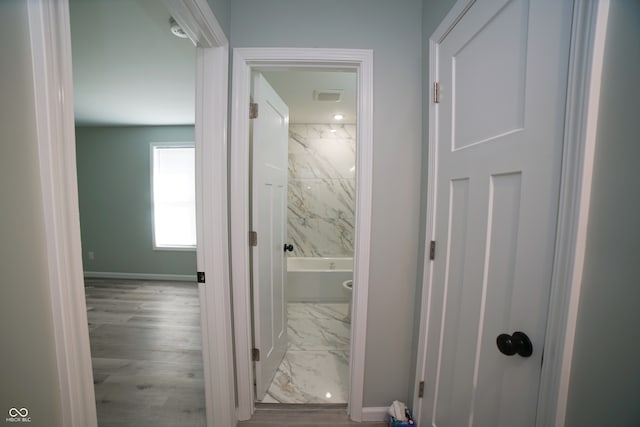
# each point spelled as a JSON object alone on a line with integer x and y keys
{"x": 28, "y": 373}
{"x": 605, "y": 375}
{"x": 222, "y": 10}
{"x": 114, "y": 185}
{"x": 393, "y": 30}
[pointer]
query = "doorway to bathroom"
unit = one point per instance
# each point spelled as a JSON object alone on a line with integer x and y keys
{"x": 302, "y": 295}
{"x": 247, "y": 61}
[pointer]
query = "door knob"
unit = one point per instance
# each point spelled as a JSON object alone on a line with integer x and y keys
{"x": 518, "y": 343}
{"x": 288, "y": 247}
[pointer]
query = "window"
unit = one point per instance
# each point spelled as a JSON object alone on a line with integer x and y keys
{"x": 173, "y": 196}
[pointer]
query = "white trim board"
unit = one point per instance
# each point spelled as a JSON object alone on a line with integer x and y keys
{"x": 213, "y": 234}
{"x": 586, "y": 57}
{"x": 139, "y": 276}
{"x": 50, "y": 33}
{"x": 375, "y": 413}
{"x": 588, "y": 34}
{"x": 212, "y": 65}
{"x": 50, "y": 29}
{"x": 361, "y": 61}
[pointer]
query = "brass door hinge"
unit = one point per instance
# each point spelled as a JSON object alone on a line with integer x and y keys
{"x": 421, "y": 389}
{"x": 436, "y": 92}
{"x": 253, "y": 110}
{"x": 255, "y": 354}
{"x": 253, "y": 238}
{"x": 432, "y": 250}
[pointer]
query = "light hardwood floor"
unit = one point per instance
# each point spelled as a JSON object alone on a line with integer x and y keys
{"x": 146, "y": 353}
{"x": 147, "y": 361}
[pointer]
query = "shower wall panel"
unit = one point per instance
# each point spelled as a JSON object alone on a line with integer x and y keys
{"x": 321, "y": 196}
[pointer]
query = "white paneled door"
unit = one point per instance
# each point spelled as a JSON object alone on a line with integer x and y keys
{"x": 269, "y": 218}
{"x": 502, "y": 72}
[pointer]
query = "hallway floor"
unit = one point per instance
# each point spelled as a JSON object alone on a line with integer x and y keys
{"x": 146, "y": 353}
{"x": 315, "y": 368}
{"x": 304, "y": 417}
{"x": 147, "y": 362}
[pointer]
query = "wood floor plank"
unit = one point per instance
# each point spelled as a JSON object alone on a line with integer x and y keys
{"x": 146, "y": 352}
{"x": 124, "y": 367}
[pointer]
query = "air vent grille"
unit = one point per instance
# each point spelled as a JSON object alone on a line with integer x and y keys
{"x": 328, "y": 95}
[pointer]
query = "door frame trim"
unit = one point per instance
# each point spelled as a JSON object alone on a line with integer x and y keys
{"x": 50, "y": 34}
{"x": 586, "y": 57}
{"x": 589, "y": 23}
{"x": 50, "y": 31}
{"x": 244, "y": 59}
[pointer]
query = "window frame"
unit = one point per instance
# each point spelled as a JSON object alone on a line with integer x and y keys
{"x": 152, "y": 146}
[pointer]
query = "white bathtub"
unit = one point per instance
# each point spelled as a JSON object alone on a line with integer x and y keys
{"x": 318, "y": 279}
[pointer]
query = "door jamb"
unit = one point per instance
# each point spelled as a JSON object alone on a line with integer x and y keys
{"x": 589, "y": 23}
{"x": 244, "y": 59}
{"x": 586, "y": 57}
{"x": 50, "y": 31}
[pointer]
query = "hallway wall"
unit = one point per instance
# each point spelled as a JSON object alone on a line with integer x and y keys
{"x": 393, "y": 31}
{"x": 605, "y": 374}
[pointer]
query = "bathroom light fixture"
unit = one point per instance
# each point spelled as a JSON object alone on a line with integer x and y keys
{"x": 333, "y": 131}
{"x": 176, "y": 30}
{"x": 338, "y": 116}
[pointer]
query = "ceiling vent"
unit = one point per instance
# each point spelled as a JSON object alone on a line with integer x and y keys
{"x": 328, "y": 95}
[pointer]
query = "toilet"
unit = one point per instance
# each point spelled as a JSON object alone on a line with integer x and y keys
{"x": 348, "y": 285}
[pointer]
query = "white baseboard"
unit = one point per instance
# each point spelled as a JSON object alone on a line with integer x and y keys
{"x": 374, "y": 413}
{"x": 139, "y": 276}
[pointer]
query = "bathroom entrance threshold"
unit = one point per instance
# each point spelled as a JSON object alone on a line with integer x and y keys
{"x": 300, "y": 407}
{"x": 304, "y": 415}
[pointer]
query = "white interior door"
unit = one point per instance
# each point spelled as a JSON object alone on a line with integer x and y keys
{"x": 502, "y": 69}
{"x": 269, "y": 219}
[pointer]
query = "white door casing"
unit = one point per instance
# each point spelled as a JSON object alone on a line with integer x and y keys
{"x": 502, "y": 70}
{"x": 244, "y": 60}
{"x": 270, "y": 137}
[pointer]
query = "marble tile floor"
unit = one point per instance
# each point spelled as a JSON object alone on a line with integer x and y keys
{"x": 315, "y": 368}
{"x": 146, "y": 353}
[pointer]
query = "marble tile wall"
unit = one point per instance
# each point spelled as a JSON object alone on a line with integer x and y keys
{"x": 321, "y": 189}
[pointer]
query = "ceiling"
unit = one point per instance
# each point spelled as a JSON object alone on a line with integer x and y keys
{"x": 296, "y": 88}
{"x": 129, "y": 69}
